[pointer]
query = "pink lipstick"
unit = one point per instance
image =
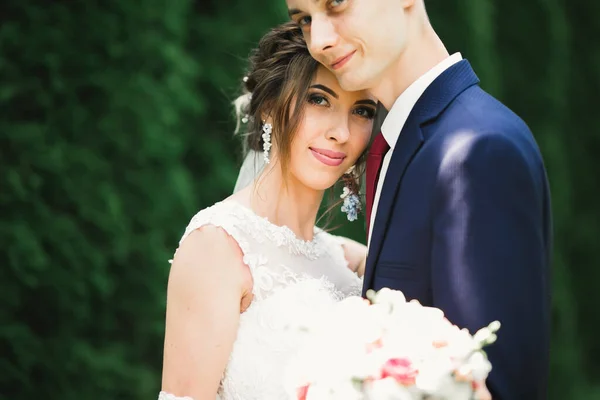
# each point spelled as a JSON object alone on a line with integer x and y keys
{"x": 328, "y": 157}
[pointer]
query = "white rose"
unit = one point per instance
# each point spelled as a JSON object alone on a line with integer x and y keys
{"x": 387, "y": 389}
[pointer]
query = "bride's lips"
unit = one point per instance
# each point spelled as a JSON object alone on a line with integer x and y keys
{"x": 340, "y": 62}
{"x": 328, "y": 157}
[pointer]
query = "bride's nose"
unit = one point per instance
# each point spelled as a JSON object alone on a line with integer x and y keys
{"x": 339, "y": 132}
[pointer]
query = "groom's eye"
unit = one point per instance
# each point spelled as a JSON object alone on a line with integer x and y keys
{"x": 304, "y": 21}
{"x": 336, "y": 3}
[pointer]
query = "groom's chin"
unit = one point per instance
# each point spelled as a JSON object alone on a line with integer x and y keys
{"x": 352, "y": 80}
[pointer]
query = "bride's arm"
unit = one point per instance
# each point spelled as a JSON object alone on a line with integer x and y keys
{"x": 207, "y": 284}
{"x": 355, "y": 253}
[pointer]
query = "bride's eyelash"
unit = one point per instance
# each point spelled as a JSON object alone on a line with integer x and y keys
{"x": 316, "y": 98}
{"x": 369, "y": 112}
{"x": 321, "y": 100}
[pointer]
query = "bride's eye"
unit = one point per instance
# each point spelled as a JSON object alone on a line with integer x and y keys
{"x": 318, "y": 100}
{"x": 365, "y": 112}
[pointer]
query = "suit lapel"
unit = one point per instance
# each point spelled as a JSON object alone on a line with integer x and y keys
{"x": 408, "y": 144}
{"x": 432, "y": 103}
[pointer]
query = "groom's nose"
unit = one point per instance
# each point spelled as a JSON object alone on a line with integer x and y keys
{"x": 323, "y": 35}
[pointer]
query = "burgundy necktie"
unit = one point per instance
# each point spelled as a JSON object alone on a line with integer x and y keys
{"x": 374, "y": 161}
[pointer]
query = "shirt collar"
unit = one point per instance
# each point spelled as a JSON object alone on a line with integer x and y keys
{"x": 398, "y": 114}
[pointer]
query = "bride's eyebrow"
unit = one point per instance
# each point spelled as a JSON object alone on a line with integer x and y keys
{"x": 325, "y": 89}
{"x": 367, "y": 102}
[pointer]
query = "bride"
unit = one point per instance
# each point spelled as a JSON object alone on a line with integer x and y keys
{"x": 250, "y": 265}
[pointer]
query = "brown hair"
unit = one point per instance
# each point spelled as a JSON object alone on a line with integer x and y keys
{"x": 281, "y": 70}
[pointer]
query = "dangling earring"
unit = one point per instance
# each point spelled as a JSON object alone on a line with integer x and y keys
{"x": 350, "y": 194}
{"x": 266, "y": 136}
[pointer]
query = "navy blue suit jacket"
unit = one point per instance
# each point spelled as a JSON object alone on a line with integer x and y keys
{"x": 464, "y": 224}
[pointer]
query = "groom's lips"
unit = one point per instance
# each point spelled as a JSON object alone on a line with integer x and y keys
{"x": 340, "y": 62}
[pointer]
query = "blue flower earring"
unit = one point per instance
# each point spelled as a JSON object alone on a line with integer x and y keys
{"x": 350, "y": 195}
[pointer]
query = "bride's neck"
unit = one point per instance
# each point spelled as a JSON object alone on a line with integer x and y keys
{"x": 286, "y": 202}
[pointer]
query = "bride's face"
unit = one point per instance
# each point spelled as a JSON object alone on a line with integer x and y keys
{"x": 334, "y": 132}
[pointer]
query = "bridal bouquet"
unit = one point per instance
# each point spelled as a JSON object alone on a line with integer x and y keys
{"x": 388, "y": 349}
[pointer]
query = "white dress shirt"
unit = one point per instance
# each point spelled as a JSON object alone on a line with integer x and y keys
{"x": 397, "y": 116}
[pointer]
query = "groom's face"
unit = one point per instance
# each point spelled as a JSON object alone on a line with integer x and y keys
{"x": 357, "y": 40}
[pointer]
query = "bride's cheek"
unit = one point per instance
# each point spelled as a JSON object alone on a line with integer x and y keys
{"x": 313, "y": 123}
{"x": 361, "y": 137}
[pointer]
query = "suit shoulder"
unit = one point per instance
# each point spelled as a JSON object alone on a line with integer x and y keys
{"x": 487, "y": 113}
{"x": 470, "y": 149}
{"x": 477, "y": 117}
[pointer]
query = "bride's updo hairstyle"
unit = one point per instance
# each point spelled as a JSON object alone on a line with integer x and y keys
{"x": 280, "y": 71}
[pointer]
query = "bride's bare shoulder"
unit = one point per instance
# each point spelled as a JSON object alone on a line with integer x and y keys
{"x": 209, "y": 255}
{"x": 210, "y": 243}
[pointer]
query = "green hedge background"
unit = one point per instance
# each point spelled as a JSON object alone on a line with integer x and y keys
{"x": 116, "y": 127}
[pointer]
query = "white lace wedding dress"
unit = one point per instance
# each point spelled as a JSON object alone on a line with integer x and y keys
{"x": 292, "y": 279}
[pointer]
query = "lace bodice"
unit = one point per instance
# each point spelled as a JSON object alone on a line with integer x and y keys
{"x": 292, "y": 279}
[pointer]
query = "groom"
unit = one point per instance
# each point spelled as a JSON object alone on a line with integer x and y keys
{"x": 458, "y": 202}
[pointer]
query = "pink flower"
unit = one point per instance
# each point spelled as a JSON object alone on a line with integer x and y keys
{"x": 302, "y": 392}
{"x": 480, "y": 391}
{"x": 374, "y": 345}
{"x": 401, "y": 369}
